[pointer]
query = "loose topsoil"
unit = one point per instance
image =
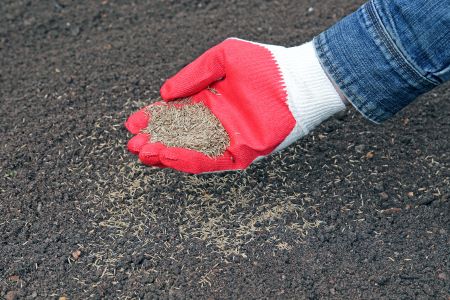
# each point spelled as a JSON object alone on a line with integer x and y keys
{"x": 353, "y": 210}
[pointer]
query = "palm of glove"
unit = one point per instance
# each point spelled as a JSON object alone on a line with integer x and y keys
{"x": 241, "y": 84}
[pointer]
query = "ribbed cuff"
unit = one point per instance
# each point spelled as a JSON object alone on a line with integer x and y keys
{"x": 312, "y": 97}
{"x": 318, "y": 100}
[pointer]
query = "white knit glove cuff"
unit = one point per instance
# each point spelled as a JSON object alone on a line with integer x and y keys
{"x": 311, "y": 96}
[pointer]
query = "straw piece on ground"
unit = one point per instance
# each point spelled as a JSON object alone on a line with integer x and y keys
{"x": 188, "y": 125}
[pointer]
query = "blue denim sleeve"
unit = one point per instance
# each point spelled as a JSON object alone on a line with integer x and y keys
{"x": 387, "y": 53}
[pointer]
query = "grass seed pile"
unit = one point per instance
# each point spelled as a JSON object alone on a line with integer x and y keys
{"x": 182, "y": 123}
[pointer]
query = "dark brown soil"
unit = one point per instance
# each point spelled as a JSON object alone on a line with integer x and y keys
{"x": 81, "y": 218}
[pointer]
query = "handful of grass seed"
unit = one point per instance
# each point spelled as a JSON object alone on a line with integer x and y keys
{"x": 182, "y": 123}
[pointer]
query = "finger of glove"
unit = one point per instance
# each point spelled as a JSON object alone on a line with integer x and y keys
{"x": 150, "y": 152}
{"x": 140, "y": 119}
{"x": 137, "y": 121}
{"x": 196, "y": 76}
{"x": 194, "y": 162}
{"x": 137, "y": 142}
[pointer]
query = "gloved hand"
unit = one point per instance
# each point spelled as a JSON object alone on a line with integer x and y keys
{"x": 265, "y": 96}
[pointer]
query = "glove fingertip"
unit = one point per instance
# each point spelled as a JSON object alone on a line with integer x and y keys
{"x": 165, "y": 91}
{"x": 191, "y": 161}
{"x": 149, "y": 154}
{"x": 137, "y": 142}
{"x": 137, "y": 121}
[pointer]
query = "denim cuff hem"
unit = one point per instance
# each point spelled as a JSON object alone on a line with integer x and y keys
{"x": 360, "y": 56}
{"x": 323, "y": 52}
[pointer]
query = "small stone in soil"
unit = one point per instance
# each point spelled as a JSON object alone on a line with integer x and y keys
{"x": 76, "y": 254}
{"x": 384, "y": 196}
{"x": 370, "y": 154}
{"x": 11, "y": 295}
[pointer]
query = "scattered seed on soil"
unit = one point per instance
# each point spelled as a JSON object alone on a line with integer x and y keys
{"x": 392, "y": 210}
{"x": 188, "y": 125}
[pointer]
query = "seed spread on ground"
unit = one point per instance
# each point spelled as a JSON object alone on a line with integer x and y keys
{"x": 182, "y": 123}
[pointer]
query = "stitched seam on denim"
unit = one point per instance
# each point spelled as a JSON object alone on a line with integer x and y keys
{"x": 361, "y": 107}
{"x": 371, "y": 23}
{"x": 392, "y": 48}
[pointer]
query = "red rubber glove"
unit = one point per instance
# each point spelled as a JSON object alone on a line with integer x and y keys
{"x": 261, "y": 91}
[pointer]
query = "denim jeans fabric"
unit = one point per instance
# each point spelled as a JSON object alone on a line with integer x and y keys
{"x": 387, "y": 53}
